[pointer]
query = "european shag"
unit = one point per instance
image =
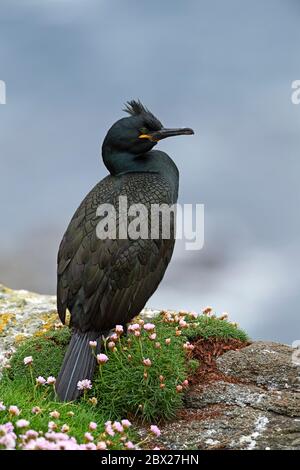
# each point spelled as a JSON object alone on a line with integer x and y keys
{"x": 105, "y": 282}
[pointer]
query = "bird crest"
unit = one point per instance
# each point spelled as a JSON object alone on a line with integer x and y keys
{"x": 136, "y": 108}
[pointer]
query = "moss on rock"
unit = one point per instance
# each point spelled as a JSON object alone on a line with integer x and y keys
{"x": 47, "y": 352}
{"x": 125, "y": 385}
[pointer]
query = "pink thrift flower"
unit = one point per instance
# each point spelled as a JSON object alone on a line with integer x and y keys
{"x": 134, "y": 327}
{"x": 149, "y": 327}
{"x": 137, "y": 333}
{"x": 84, "y": 384}
{"x": 114, "y": 337}
{"x": 109, "y": 430}
{"x": 28, "y": 360}
{"x": 40, "y": 380}
{"x": 118, "y": 427}
{"x": 8, "y": 441}
{"x": 188, "y": 346}
{"x": 179, "y": 388}
{"x": 126, "y": 423}
{"x": 101, "y": 445}
{"x": 40, "y": 444}
{"x": 119, "y": 329}
{"x": 14, "y": 410}
{"x": 2, "y": 406}
{"x": 168, "y": 341}
{"x": 182, "y": 323}
{"x": 22, "y": 423}
{"x": 129, "y": 445}
{"x": 51, "y": 380}
{"x": 54, "y": 414}
{"x": 92, "y": 426}
{"x": 6, "y": 428}
{"x": 36, "y": 410}
{"x": 88, "y": 437}
{"x": 207, "y": 310}
{"x": 31, "y": 434}
{"x": 67, "y": 445}
{"x": 157, "y": 345}
{"x": 65, "y": 428}
{"x": 56, "y": 436}
{"x": 155, "y": 430}
{"x": 102, "y": 358}
{"x": 93, "y": 344}
{"x": 224, "y": 316}
{"x": 152, "y": 336}
{"x": 90, "y": 446}
{"x": 52, "y": 426}
{"x": 185, "y": 382}
{"x": 147, "y": 362}
{"x": 111, "y": 345}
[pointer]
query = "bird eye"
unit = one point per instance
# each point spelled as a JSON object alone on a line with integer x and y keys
{"x": 144, "y": 130}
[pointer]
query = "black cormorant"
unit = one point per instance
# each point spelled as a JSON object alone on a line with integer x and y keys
{"x": 105, "y": 282}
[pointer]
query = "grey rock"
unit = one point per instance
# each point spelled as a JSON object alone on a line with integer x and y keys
{"x": 259, "y": 410}
{"x": 264, "y": 363}
{"x": 233, "y": 428}
{"x": 243, "y": 395}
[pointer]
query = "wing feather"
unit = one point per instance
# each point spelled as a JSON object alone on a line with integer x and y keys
{"x": 105, "y": 282}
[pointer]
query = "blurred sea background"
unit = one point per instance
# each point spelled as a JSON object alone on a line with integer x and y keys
{"x": 223, "y": 68}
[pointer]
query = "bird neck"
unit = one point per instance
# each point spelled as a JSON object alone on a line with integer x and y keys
{"x": 155, "y": 161}
{"x": 118, "y": 162}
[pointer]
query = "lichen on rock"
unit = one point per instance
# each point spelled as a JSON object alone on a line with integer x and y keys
{"x": 24, "y": 313}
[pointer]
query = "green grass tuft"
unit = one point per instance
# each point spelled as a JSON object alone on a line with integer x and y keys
{"x": 212, "y": 327}
{"x": 18, "y": 392}
{"x": 47, "y": 352}
{"x": 124, "y": 386}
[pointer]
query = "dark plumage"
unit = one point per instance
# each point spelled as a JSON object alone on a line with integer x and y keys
{"x": 107, "y": 282}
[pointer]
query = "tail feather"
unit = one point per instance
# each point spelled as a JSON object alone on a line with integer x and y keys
{"x": 79, "y": 363}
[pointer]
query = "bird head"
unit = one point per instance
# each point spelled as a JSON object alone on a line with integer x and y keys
{"x": 140, "y": 132}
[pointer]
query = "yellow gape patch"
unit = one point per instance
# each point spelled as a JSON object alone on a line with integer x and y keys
{"x": 147, "y": 136}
